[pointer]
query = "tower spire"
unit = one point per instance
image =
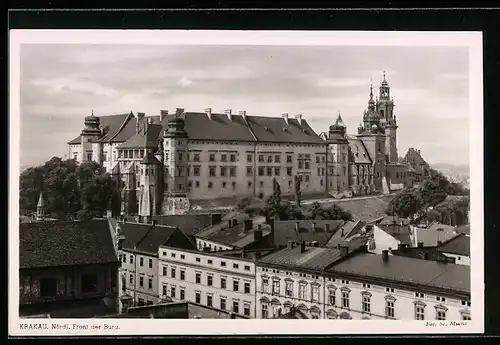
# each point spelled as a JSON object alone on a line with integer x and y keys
{"x": 384, "y": 76}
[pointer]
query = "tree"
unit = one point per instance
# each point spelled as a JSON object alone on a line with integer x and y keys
{"x": 334, "y": 212}
{"x": 68, "y": 188}
{"x": 405, "y": 204}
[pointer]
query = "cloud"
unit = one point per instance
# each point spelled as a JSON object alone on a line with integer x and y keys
{"x": 185, "y": 82}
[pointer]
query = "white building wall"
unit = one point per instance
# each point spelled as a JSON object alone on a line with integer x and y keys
{"x": 207, "y": 265}
{"x": 212, "y": 246}
{"x": 383, "y": 241}
{"x": 459, "y": 259}
{"x": 133, "y": 272}
{"x": 281, "y": 301}
{"x": 75, "y": 152}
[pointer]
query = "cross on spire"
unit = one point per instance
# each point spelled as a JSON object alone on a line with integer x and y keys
{"x": 384, "y": 75}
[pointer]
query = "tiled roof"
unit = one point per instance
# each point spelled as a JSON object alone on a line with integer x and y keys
{"x": 346, "y": 231}
{"x": 429, "y": 236}
{"x": 133, "y": 233}
{"x": 358, "y": 149}
{"x": 111, "y": 123}
{"x": 399, "y": 232}
{"x": 275, "y": 129}
{"x": 285, "y": 231}
{"x": 459, "y": 245}
{"x": 407, "y": 270}
{"x": 235, "y": 235}
{"x": 199, "y": 127}
{"x": 315, "y": 258}
{"x": 230, "y": 216}
{"x": 144, "y": 140}
{"x": 188, "y": 224}
{"x": 64, "y": 243}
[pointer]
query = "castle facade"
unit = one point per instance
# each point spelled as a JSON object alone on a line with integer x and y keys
{"x": 162, "y": 162}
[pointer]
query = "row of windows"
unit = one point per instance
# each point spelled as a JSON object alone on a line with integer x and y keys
{"x": 235, "y": 308}
{"x": 141, "y": 260}
{"x": 222, "y": 283}
{"x": 302, "y": 291}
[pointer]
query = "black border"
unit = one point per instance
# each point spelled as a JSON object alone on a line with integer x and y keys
{"x": 485, "y": 20}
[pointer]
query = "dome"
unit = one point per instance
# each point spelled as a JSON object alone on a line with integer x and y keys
{"x": 336, "y": 128}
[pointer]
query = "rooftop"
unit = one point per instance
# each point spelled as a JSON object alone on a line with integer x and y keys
{"x": 308, "y": 231}
{"x": 400, "y": 232}
{"x": 359, "y": 153}
{"x": 147, "y": 139}
{"x": 313, "y": 258}
{"x": 459, "y": 245}
{"x": 117, "y": 128}
{"x": 408, "y": 270}
{"x": 429, "y": 236}
{"x": 236, "y": 235}
{"x": 65, "y": 243}
{"x": 189, "y": 224}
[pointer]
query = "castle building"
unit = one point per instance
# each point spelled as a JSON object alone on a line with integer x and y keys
{"x": 164, "y": 162}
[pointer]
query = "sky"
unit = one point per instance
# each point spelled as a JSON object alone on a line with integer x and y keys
{"x": 63, "y": 83}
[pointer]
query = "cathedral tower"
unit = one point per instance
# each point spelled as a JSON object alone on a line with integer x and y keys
{"x": 40, "y": 208}
{"x": 385, "y": 108}
{"x": 91, "y": 132}
{"x": 337, "y": 157}
{"x": 175, "y": 145}
{"x": 148, "y": 184}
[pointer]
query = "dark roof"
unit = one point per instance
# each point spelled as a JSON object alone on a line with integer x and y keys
{"x": 399, "y": 232}
{"x": 314, "y": 258}
{"x": 407, "y": 270}
{"x": 285, "y": 230}
{"x": 424, "y": 253}
{"x": 64, "y": 243}
{"x": 150, "y": 158}
{"x": 125, "y": 130}
{"x": 149, "y": 139}
{"x": 236, "y": 235}
{"x": 358, "y": 149}
{"x": 133, "y": 233}
{"x": 199, "y": 127}
{"x": 463, "y": 229}
{"x": 275, "y": 129}
{"x": 155, "y": 237}
{"x": 459, "y": 245}
{"x": 189, "y": 224}
{"x": 112, "y": 125}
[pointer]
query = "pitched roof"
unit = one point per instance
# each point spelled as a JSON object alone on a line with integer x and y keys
{"x": 349, "y": 229}
{"x": 400, "y": 232}
{"x": 189, "y": 224}
{"x": 64, "y": 243}
{"x": 314, "y": 258}
{"x": 149, "y": 139}
{"x": 358, "y": 149}
{"x": 285, "y": 230}
{"x": 199, "y": 127}
{"x": 133, "y": 233}
{"x": 429, "y": 236}
{"x": 112, "y": 125}
{"x": 41, "y": 202}
{"x": 235, "y": 235}
{"x": 275, "y": 129}
{"x": 403, "y": 269}
{"x": 459, "y": 245}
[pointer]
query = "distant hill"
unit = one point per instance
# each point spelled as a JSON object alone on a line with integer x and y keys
{"x": 458, "y": 173}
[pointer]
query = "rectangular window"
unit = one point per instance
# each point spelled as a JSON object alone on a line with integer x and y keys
{"x": 211, "y": 171}
{"x": 236, "y": 307}
{"x": 249, "y": 171}
{"x": 236, "y": 285}
{"x": 131, "y": 279}
{"x": 172, "y": 291}
{"x": 345, "y": 299}
{"x": 210, "y": 184}
{"x": 246, "y": 309}
{"x": 307, "y": 164}
{"x": 150, "y": 283}
{"x": 289, "y": 159}
{"x": 183, "y": 294}
{"x": 124, "y": 258}
{"x": 264, "y": 311}
{"x": 223, "y": 158}
{"x": 261, "y": 158}
{"x": 265, "y": 285}
{"x": 210, "y": 280}
{"x": 198, "y": 278}
{"x": 236, "y": 266}
{"x": 315, "y": 293}
{"x": 196, "y": 170}
{"x": 247, "y": 288}
{"x": 366, "y": 304}
{"x": 247, "y": 268}
{"x": 301, "y": 164}
{"x": 164, "y": 289}
{"x": 269, "y": 171}
{"x": 389, "y": 308}
{"x": 172, "y": 271}
{"x": 331, "y": 296}
{"x": 440, "y": 314}
{"x": 223, "y": 171}
{"x": 222, "y": 283}
{"x": 269, "y": 159}
{"x": 223, "y": 303}
{"x": 183, "y": 275}
{"x": 164, "y": 270}
{"x": 306, "y": 178}
{"x": 302, "y": 291}
{"x": 277, "y": 171}
{"x": 289, "y": 171}
{"x": 212, "y": 157}
{"x": 141, "y": 261}
{"x": 289, "y": 288}
{"x": 150, "y": 263}
{"x": 261, "y": 171}
{"x": 276, "y": 287}
{"x": 277, "y": 158}
{"x": 196, "y": 157}
{"x": 232, "y": 158}
{"x": 232, "y": 171}
{"x": 419, "y": 312}
{"x": 249, "y": 158}
{"x": 141, "y": 281}
{"x": 209, "y": 300}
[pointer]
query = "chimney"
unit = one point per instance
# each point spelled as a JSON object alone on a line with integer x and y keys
{"x": 229, "y": 114}
{"x": 385, "y": 255}
{"x": 141, "y": 115}
{"x": 298, "y": 117}
{"x": 289, "y": 245}
{"x": 257, "y": 234}
{"x": 302, "y": 247}
{"x": 216, "y": 218}
{"x": 297, "y": 227}
{"x": 439, "y": 243}
{"x": 313, "y": 227}
{"x": 179, "y": 111}
{"x": 327, "y": 228}
{"x": 242, "y": 113}
{"x": 248, "y": 224}
{"x": 208, "y": 111}
{"x": 163, "y": 114}
{"x": 344, "y": 250}
{"x": 420, "y": 244}
{"x": 285, "y": 116}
